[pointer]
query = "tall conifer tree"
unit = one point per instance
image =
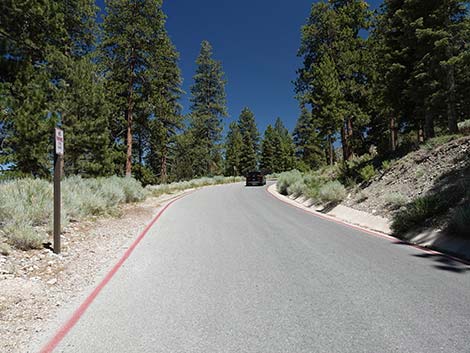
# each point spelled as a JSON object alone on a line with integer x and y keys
{"x": 233, "y": 150}
{"x": 268, "y": 162}
{"x": 132, "y": 38}
{"x": 309, "y": 146}
{"x": 207, "y": 110}
{"x": 250, "y": 138}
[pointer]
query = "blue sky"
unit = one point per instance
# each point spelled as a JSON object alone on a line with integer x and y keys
{"x": 257, "y": 42}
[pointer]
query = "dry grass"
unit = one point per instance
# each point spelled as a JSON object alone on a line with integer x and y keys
{"x": 157, "y": 190}
{"x": 26, "y": 205}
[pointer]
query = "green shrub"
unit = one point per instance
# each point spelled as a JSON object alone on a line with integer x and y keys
{"x": 386, "y": 165}
{"x": 5, "y": 249}
{"x": 158, "y": 190}
{"x": 218, "y": 179}
{"x": 419, "y": 173}
{"x": 273, "y": 176}
{"x": 438, "y": 141}
{"x": 132, "y": 188}
{"x": 356, "y": 170}
{"x": 287, "y": 179}
{"x": 28, "y": 203}
{"x": 395, "y": 200}
{"x": 464, "y": 127}
{"x": 367, "y": 173}
{"x": 297, "y": 189}
{"x": 23, "y": 236}
{"x": 418, "y": 212}
{"x": 332, "y": 191}
{"x": 314, "y": 182}
{"x": 82, "y": 198}
{"x": 25, "y": 200}
{"x": 460, "y": 222}
{"x": 110, "y": 190}
{"x": 361, "y": 196}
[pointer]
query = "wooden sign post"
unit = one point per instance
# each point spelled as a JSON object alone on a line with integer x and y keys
{"x": 58, "y": 155}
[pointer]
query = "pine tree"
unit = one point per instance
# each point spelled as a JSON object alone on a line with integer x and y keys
{"x": 423, "y": 48}
{"x": 384, "y": 122}
{"x": 250, "y": 138}
{"x": 37, "y": 58}
{"x": 329, "y": 104}
{"x": 164, "y": 94}
{"x": 267, "y": 163}
{"x": 84, "y": 113}
{"x": 207, "y": 110}
{"x": 248, "y": 158}
{"x": 28, "y": 125}
{"x": 309, "y": 147}
{"x": 233, "y": 150}
{"x": 132, "y": 38}
{"x": 332, "y": 46}
{"x": 184, "y": 157}
{"x": 284, "y": 147}
{"x": 247, "y": 125}
{"x": 442, "y": 33}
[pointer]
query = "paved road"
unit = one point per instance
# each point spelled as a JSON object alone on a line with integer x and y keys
{"x": 231, "y": 269}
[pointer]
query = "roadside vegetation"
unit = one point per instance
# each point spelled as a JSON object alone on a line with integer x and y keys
{"x": 444, "y": 204}
{"x": 26, "y": 205}
{"x": 311, "y": 185}
{"x": 161, "y": 189}
{"x": 398, "y": 85}
{"x": 426, "y": 211}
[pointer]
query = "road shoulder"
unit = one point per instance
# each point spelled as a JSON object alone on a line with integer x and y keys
{"x": 431, "y": 242}
{"x": 36, "y": 286}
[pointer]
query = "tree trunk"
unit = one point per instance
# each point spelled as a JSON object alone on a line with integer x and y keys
{"x": 346, "y": 135}
{"x": 129, "y": 117}
{"x": 129, "y": 138}
{"x": 141, "y": 148}
{"x": 163, "y": 166}
{"x": 331, "y": 152}
{"x": 451, "y": 110}
{"x": 428, "y": 125}
{"x": 393, "y": 134}
{"x": 450, "y": 75}
{"x": 420, "y": 133}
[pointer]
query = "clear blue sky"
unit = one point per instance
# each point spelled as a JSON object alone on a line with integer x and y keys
{"x": 257, "y": 42}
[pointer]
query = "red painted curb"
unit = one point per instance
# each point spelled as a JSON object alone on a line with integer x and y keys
{"x": 373, "y": 233}
{"x": 65, "y": 329}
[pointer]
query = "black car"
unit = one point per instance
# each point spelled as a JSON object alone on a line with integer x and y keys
{"x": 255, "y": 178}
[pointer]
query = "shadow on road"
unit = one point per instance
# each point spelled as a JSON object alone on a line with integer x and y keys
{"x": 441, "y": 262}
{"x": 445, "y": 263}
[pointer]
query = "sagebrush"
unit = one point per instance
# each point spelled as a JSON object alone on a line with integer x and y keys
{"x": 26, "y": 205}
{"x": 157, "y": 190}
{"x": 314, "y": 185}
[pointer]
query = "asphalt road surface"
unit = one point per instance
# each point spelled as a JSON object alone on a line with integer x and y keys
{"x": 232, "y": 269}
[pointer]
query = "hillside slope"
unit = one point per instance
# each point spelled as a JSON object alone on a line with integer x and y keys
{"x": 441, "y": 173}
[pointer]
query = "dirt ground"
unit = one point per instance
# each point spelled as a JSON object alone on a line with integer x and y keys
{"x": 35, "y": 284}
{"x": 420, "y": 173}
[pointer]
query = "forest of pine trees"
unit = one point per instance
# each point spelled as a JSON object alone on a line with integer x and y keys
{"x": 390, "y": 79}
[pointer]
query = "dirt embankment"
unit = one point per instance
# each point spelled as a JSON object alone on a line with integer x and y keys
{"x": 424, "y": 172}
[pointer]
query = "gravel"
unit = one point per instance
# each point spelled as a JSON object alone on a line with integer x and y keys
{"x": 35, "y": 284}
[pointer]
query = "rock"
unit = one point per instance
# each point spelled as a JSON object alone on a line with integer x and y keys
{"x": 52, "y": 281}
